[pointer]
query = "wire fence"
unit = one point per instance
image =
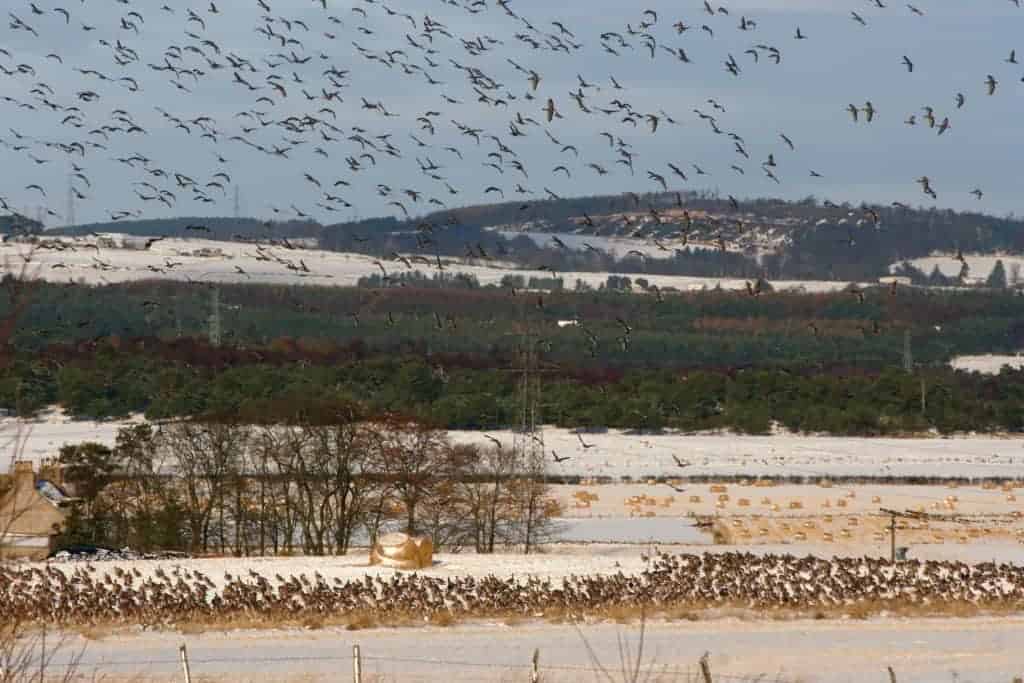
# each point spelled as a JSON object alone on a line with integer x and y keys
{"x": 382, "y": 668}
{"x": 378, "y": 665}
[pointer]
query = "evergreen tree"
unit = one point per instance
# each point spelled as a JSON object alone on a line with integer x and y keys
{"x": 936, "y": 278}
{"x": 997, "y": 278}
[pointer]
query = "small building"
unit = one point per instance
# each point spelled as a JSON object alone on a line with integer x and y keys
{"x": 32, "y": 511}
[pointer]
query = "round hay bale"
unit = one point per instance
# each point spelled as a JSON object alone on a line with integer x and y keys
{"x": 402, "y": 551}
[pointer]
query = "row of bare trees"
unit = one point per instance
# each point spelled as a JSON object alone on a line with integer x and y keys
{"x": 315, "y": 487}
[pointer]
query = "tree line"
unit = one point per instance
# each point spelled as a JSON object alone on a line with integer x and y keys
{"x": 670, "y": 329}
{"x": 331, "y": 478}
{"x": 825, "y": 240}
{"x": 455, "y": 392}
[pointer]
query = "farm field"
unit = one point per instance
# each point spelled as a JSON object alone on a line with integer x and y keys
{"x": 979, "y": 650}
{"x": 989, "y": 363}
{"x": 614, "y": 529}
{"x": 618, "y": 454}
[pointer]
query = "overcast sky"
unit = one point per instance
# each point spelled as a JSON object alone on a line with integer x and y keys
{"x": 953, "y": 47}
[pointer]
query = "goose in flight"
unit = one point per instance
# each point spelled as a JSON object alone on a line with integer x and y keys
{"x": 550, "y": 111}
{"x": 991, "y": 84}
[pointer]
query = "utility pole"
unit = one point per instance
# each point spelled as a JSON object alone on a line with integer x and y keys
{"x": 238, "y": 203}
{"x": 892, "y": 539}
{"x": 529, "y": 439}
{"x": 924, "y": 398}
{"x": 71, "y": 203}
{"x": 908, "y": 358}
{"x": 893, "y": 514}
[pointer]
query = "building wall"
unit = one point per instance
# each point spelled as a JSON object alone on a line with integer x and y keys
{"x": 27, "y": 520}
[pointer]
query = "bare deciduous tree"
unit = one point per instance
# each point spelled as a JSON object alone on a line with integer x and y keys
{"x": 413, "y": 458}
{"x": 205, "y": 458}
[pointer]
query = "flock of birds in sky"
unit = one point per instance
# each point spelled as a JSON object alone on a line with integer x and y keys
{"x": 294, "y": 101}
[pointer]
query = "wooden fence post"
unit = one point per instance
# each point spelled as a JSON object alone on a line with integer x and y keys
{"x": 357, "y": 665}
{"x": 183, "y": 651}
{"x": 705, "y": 668}
{"x": 535, "y": 672}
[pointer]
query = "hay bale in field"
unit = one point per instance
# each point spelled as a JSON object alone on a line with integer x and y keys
{"x": 402, "y": 551}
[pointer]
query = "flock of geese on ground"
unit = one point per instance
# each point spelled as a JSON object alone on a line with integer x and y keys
{"x": 91, "y": 595}
{"x": 295, "y": 97}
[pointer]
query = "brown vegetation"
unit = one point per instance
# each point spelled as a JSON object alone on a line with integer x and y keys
{"x": 671, "y": 586}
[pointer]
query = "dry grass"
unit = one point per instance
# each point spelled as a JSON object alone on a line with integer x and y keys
{"x": 618, "y": 614}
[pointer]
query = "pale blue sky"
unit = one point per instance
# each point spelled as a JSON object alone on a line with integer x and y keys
{"x": 954, "y": 47}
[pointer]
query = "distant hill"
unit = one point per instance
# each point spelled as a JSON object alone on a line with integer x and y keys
{"x": 19, "y": 225}
{"x": 216, "y": 228}
{"x": 695, "y": 234}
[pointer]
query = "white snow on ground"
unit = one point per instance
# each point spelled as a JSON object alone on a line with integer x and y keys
{"x": 616, "y": 453}
{"x": 618, "y": 529}
{"x": 553, "y": 561}
{"x": 618, "y": 247}
{"x": 987, "y": 364}
{"x": 42, "y": 436}
{"x": 978, "y": 650}
{"x": 326, "y": 268}
{"x": 620, "y": 500}
{"x": 979, "y": 265}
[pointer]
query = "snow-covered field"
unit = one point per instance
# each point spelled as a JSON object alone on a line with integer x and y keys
{"x": 618, "y": 247}
{"x": 553, "y": 561}
{"x": 987, "y": 364}
{"x": 979, "y": 265}
{"x": 42, "y": 437}
{"x": 616, "y": 454}
{"x": 619, "y": 454}
{"x": 755, "y": 499}
{"x": 240, "y": 262}
{"x": 978, "y": 650}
